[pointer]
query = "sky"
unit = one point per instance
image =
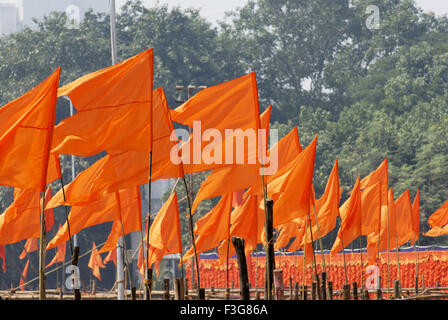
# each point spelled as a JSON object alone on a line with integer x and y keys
{"x": 214, "y": 10}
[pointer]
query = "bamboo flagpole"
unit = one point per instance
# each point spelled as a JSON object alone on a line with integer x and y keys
{"x": 312, "y": 246}
{"x": 113, "y": 40}
{"x": 42, "y": 251}
{"x": 304, "y": 261}
{"x": 66, "y": 213}
{"x": 193, "y": 241}
{"x": 320, "y": 239}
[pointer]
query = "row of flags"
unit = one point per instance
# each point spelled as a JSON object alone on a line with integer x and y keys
{"x": 119, "y": 112}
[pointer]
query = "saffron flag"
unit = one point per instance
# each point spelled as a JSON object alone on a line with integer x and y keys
{"x": 101, "y": 211}
{"x": 247, "y": 222}
{"x": 437, "y": 231}
{"x": 386, "y": 240}
{"x": 96, "y": 262}
{"x": 287, "y": 232}
{"x": 59, "y": 257}
{"x": 21, "y": 220}
{"x": 112, "y": 256}
{"x": 350, "y": 213}
{"x": 380, "y": 175}
{"x": 114, "y": 106}
{"x": 295, "y": 187}
{"x": 162, "y": 167}
{"x": 111, "y": 173}
{"x": 440, "y": 217}
{"x": 403, "y": 219}
{"x": 125, "y": 169}
{"x": 213, "y": 227}
{"x": 438, "y": 222}
{"x": 212, "y": 113}
{"x": 130, "y": 213}
{"x": 232, "y": 178}
{"x": 26, "y": 132}
{"x": 24, "y": 274}
{"x": 165, "y": 233}
{"x": 416, "y": 216}
{"x": 327, "y": 206}
{"x": 30, "y": 246}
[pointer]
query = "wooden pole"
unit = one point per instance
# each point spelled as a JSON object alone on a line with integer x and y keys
{"x": 238, "y": 244}
{"x": 323, "y": 285}
{"x": 148, "y": 281}
{"x": 320, "y": 241}
{"x": 42, "y": 251}
{"x": 343, "y": 257}
{"x": 355, "y": 290}
{"x": 398, "y": 262}
{"x": 278, "y": 284}
{"x": 270, "y": 262}
{"x": 304, "y": 257}
{"x": 66, "y": 213}
{"x": 312, "y": 245}
{"x": 192, "y": 233}
{"x": 416, "y": 266}
{"x": 166, "y": 288}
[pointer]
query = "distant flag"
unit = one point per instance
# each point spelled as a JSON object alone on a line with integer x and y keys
{"x": 96, "y": 262}
{"x": 30, "y": 246}
{"x": 24, "y": 274}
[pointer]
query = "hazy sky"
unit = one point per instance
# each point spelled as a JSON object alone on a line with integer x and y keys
{"x": 214, "y": 10}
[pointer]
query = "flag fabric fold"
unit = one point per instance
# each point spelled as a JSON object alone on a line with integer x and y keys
{"x": 114, "y": 106}
{"x": 26, "y": 133}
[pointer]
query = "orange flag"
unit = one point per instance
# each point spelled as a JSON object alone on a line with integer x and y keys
{"x": 350, "y": 213}
{"x": 114, "y": 106}
{"x": 327, "y": 206}
{"x": 287, "y": 149}
{"x": 26, "y": 132}
{"x": 21, "y": 220}
{"x": 403, "y": 219}
{"x": 162, "y": 167}
{"x": 165, "y": 233}
{"x": 96, "y": 262}
{"x": 3, "y": 257}
{"x": 440, "y": 217}
{"x": 379, "y": 175}
{"x": 438, "y": 222}
{"x": 233, "y": 177}
{"x": 213, "y": 227}
{"x": 49, "y": 213}
{"x": 387, "y": 232}
{"x": 112, "y": 256}
{"x": 30, "y": 246}
{"x": 130, "y": 212}
{"x": 231, "y": 105}
{"x": 59, "y": 257}
{"x": 111, "y": 173}
{"x": 286, "y": 233}
{"x": 437, "y": 231}
{"x": 295, "y": 187}
{"x": 416, "y": 216}
{"x": 23, "y": 277}
{"x": 104, "y": 210}
{"x": 247, "y": 222}
{"x": 125, "y": 169}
